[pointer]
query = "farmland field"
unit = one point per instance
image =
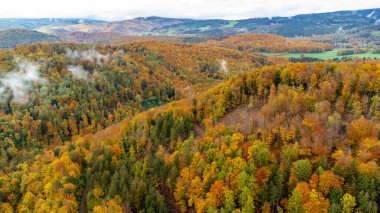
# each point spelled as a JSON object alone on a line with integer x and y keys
{"x": 323, "y": 56}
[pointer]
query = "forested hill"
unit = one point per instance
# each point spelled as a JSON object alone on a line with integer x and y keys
{"x": 309, "y": 142}
{"x": 299, "y": 25}
{"x": 269, "y": 43}
{"x": 53, "y": 92}
{"x": 12, "y": 38}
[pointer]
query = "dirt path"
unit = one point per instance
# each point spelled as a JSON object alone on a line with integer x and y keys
{"x": 199, "y": 130}
{"x": 83, "y": 203}
{"x": 169, "y": 198}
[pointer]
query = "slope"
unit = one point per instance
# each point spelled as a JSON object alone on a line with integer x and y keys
{"x": 299, "y": 25}
{"x": 51, "y": 93}
{"x": 12, "y": 38}
{"x": 269, "y": 43}
{"x": 313, "y": 145}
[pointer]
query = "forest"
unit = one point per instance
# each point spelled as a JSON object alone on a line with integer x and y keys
{"x": 270, "y": 43}
{"x": 172, "y": 127}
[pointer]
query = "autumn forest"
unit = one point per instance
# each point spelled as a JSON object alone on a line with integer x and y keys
{"x": 189, "y": 124}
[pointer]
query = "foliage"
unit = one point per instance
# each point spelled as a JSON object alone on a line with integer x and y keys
{"x": 309, "y": 141}
{"x": 270, "y": 43}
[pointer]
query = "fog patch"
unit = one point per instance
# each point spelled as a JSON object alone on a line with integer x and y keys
{"x": 78, "y": 72}
{"x": 19, "y": 83}
{"x": 87, "y": 55}
{"x": 339, "y": 30}
{"x": 223, "y": 66}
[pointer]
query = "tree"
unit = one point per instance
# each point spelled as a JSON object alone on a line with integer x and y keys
{"x": 295, "y": 202}
{"x": 302, "y": 169}
{"x": 348, "y": 203}
{"x": 246, "y": 201}
{"x": 216, "y": 194}
{"x": 229, "y": 201}
{"x": 360, "y": 129}
{"x": 260, "y": 153}
{"x": 327, "y": 181}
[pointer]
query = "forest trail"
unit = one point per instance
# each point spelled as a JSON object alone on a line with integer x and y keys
{"x": 83, "y": 204}
{"x": 199, "y": 130}
{"x": 170, "y": 201}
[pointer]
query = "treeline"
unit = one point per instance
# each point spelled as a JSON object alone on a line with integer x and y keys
{"x": 352, "y": 51}
{"x": 309, "y": 142}
{"x": 271, "y": 43}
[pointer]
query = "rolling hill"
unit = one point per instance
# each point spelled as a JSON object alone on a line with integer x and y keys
{"x": 136, "y": 26}
{"x": 299, "y": 25}
{"x": 12, "y": 38}
{"x": 341, "y": 29}
{"x": 297, "y": 133}
{"x": 84, "y": 37}
{"x": 32, "y": 24}
{"x": 269, "y": 43}
{"x": 180, "y": 115}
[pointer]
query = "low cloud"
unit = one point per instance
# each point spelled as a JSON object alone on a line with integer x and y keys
{"x": 19, "y": 83}
{"x": 223, "y": 66}
{"x": 86, "y": 55}
{"x": 78, "y": 72}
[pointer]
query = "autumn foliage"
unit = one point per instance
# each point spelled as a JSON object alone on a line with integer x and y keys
{"x": 304, "y": 137}
{"x": 270, "y": 43}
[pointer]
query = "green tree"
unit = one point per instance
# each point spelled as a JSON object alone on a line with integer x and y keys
{"x": 303, "y": 169}
{"x": 229, "y": 201}
{"x": 348, "y": 203}
{"x": 295, "y": 202}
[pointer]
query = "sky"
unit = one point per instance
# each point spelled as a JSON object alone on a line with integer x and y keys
{"x": 112, "y": 10}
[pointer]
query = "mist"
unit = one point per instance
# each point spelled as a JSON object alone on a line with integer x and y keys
{"x": 87, "y": 55}
{"x": 19, "y": 82}
{"x": 78, "y": 72}
{"x": 223, "y": 65}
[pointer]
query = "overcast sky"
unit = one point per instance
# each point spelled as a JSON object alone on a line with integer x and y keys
{"x": 126, "y": 9}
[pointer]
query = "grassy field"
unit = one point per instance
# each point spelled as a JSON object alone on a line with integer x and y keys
{"x": 231, "y": 24}
{"x": 323, "y": 56}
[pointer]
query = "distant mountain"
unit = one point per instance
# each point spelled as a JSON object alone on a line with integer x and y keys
{"x": 84, "y": 37}
{"x": 136, "y": 26}
{"x": 12, "y": 38}
{"x": 362, "y": 25}
{"x": 32, "y": 24}
{"x": 300, "y": 25}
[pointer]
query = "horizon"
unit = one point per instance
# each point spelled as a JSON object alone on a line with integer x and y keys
{"x": 167, "y": 17}
{"x": 226, "y": 9}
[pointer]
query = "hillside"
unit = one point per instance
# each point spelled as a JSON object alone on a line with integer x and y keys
{"x": 270, "y": 43}
{"x": 117, "y": 38}
{"x": 12, "y": 38}
{"x": 32, "y": 24}
{"x": 84, "y": 37}
{"x": 118, "y": 80}
{"x": 127, "y": 27}
{"x": 299, "y": 25}
{"x": 52, "y": 94}
{"x": 216, "y": 107}
{"x": 309, "y": 142}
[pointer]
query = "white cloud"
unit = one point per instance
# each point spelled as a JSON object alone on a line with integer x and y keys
{"x": 87, "y": 55}
{"x": 125, "y": 9}
{"x": 78, "y": 72}
{"x": 19, "y": 82}
{"x": 223, "y": 65}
